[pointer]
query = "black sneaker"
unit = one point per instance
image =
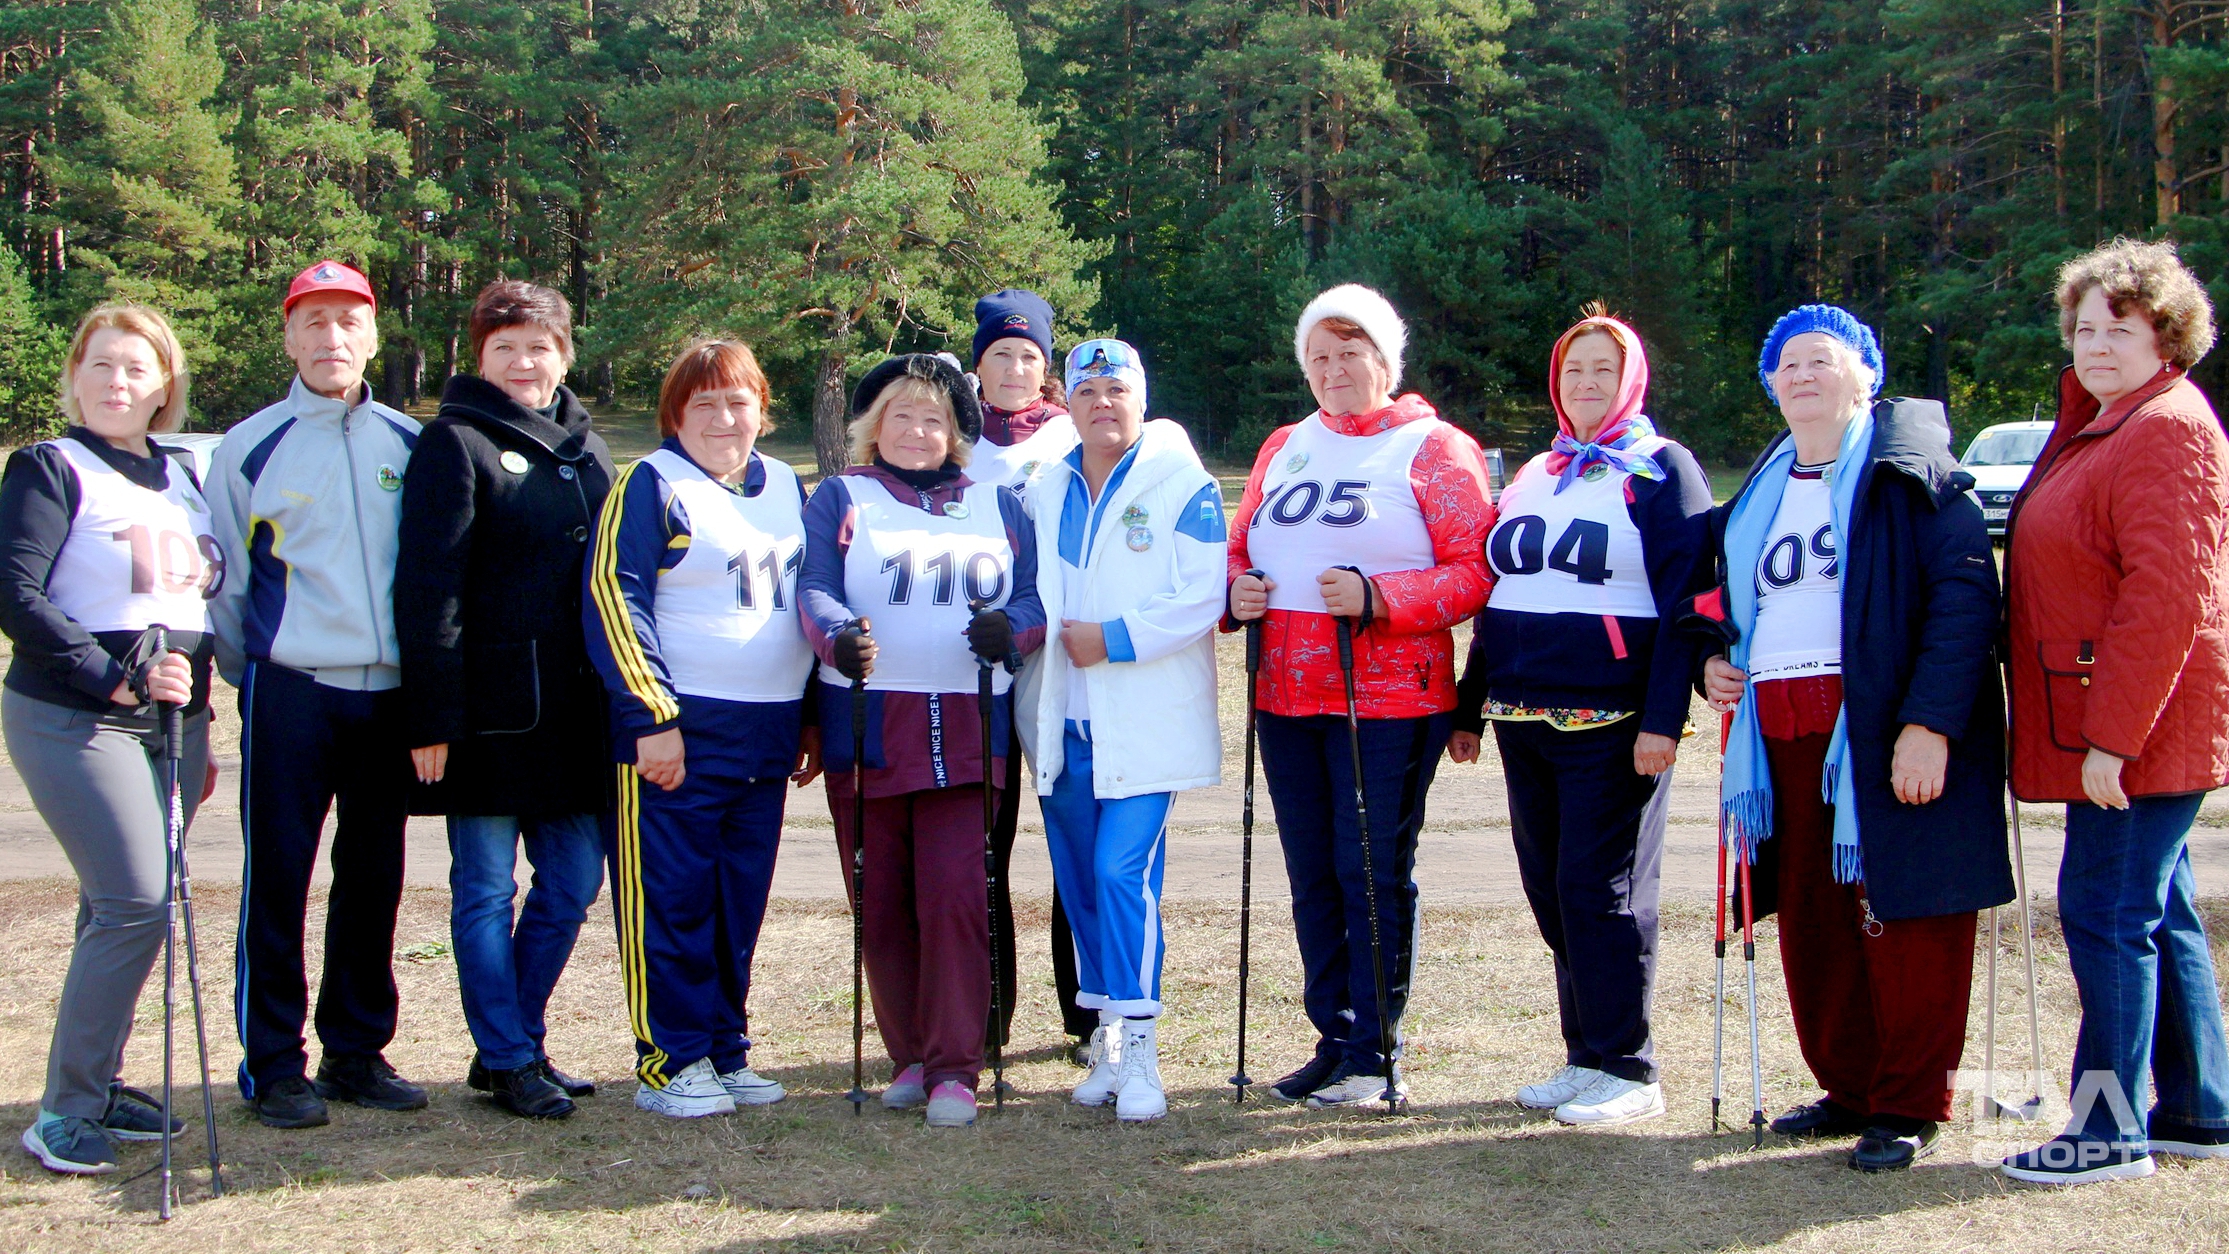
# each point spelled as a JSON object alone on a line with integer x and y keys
{"x": 1819, "y": 1119}
{"x": 526, "y": 1092}
{"x": 2068, "y": 1159}
{"x": 367, "y": 1080}
{"x": 1297, "y": 1086}
{"x": 136, "y": 1116}
{"x": 2173, "y": 1136}
{"x": 72, "y": 1145}
{"x": 573, "y": 1085}
{"x": 291, "y": 1103}
{"x": 1895, "y": 1146}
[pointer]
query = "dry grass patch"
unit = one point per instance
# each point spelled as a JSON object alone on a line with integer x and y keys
{"x": 1463, "y": 1170}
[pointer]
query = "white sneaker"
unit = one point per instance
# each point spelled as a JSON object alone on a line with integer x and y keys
{"x": 694, "y": 1093}
{"x": 1558, "y": 1088}
{"x": 749, "y": 1088}
{"x": 906, "y": 1092}
{"x": 1099, "y": 1087}
{"x": 951, "y": 1105}
{"x": 1138, "y": 1095}
{"x": 1610, "y": 1100}
{"x": 1357, "y": 1090}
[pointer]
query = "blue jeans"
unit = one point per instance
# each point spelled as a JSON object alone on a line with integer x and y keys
{"x": 506, "y": 972}
{"x": 2151, "y": 1012}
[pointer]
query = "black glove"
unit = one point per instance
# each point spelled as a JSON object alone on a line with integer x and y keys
{"x": 855, "y": 651}
{"x": 990, "y": 635}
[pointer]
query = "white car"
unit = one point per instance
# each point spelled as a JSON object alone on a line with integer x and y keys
{"x": 1999, "y": 460}
{"x": 199, "y": 445}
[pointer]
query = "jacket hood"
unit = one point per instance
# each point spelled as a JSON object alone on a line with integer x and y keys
{"x": 474, "y": 398}
{"x": 1164, "y": 448}
{"x": 1911, "y": 437}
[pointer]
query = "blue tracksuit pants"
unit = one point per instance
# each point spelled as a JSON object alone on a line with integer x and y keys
{"x": 1108, "y": 859}
{"x": 690, "y": 873}
{"x": 1310, "y": 769}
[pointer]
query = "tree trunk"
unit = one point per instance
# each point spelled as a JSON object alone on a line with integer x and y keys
{"x": 831, "y": 404}
{"x": 2166, "y": 179}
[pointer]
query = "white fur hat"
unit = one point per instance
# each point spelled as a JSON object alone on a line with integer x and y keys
{"x": 1364, "y": 307}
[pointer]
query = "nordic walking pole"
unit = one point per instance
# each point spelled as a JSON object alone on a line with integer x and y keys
{"x": 1369, "y": 862}
{"x": 2032, "y": 1107}
{"x": 171, "y": 729}
{"x": 990, "y": 874}
{"x": 1756, "y": 1055}
{"x": 174, "y": 749}
{"x": 858, "y": 1094}
{"x": 1246, "y": 852}
{"x": 1718, "y": 1008}
{"x": 1989, "y": 1029}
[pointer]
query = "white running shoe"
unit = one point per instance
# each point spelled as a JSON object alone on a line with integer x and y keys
{"x": 951, "y": 1105}
{"x": 1138, "y": 1095}
{"x": 906, "y": 1092}
{"x": 749, "y": 1088}
{"x": 694, "y": 1093}
{"x": 1558, "y": 1088}
{"x": 1099, "y": 1087}
{"x": 1610, "y": 1101}
{"x": 1357, "y": 1090}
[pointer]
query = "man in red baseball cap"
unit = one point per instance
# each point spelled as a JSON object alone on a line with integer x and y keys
{"x": 306, "y": 498}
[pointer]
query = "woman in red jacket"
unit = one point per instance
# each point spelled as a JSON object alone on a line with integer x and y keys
{"x": 1373, "y": 510}
{"x": 2116, "y": 575}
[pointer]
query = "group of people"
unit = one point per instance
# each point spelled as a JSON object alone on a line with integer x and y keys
{"x": 1019, "y": 581}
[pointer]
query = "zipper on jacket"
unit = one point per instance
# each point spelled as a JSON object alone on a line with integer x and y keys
{"x": 363, "y": 552}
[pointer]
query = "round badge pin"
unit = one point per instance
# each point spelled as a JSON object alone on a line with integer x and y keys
{"x": 1595, "y": 472}
{"x": 514, "y": 461}
{"x": 955, "y": 509}
{"x": 1139, "y": 539}
{"x": 390, "y": 478}
{"x": 1294, "y": 463}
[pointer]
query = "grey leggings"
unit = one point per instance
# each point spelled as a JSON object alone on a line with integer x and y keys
{"x": 97, "y": 781}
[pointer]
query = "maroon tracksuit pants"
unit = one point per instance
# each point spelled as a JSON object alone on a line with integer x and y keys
{"x": 1880, "y": 1009}
{"x": 928, "y": 938}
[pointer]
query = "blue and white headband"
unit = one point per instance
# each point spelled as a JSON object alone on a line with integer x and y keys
{"x": 1107, "y": 359}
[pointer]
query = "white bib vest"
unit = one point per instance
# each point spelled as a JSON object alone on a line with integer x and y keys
{"x": 1574, "y": 552}
{"x": 1799, "y": 588}
{"x": 134, "y": 557}
{"x": 1339, "y": 500}
{"x": 1017, "y": 465}
{"x": 727, "y": 612}
{"x": 911, "y": 573}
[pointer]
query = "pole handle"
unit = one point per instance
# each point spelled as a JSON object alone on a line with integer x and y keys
{"x": 1254, "y": 633}
{"x": 1346, "y": 645}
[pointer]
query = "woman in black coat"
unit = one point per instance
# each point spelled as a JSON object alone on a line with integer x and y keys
{"x": 1864, "y": 767}
{"x": 505, "y": 711}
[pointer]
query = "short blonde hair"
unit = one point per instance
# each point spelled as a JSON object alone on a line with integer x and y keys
{"x": 139, "y": 320}
{"x": 2149, "y": 277}
{"x": 868, "y": 424}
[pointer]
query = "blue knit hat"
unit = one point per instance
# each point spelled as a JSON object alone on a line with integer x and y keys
{"x": 1832, "y": 320}
{"x": 1015, "y": 312}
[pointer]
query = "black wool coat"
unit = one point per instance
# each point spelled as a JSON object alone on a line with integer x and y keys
{"x": 1920, "y": 608}
{"x": 498, "y": 509}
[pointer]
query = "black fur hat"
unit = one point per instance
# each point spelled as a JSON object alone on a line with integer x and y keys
{"x": 967, "y": 411}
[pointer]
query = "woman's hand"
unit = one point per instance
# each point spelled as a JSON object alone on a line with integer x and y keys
{"x": 1344, "y": 596}
{"x": 855, "y": 652}
{"x": 808, "y": 757}
{"x": 1250, "y": 596}
{"x": 169, "y": 682}
{"x": 1086, "y": 642}
{"x": 1916, "y": 770}
{"x": 1462, "y": 747}
{"x": 431, "y": 763}
{"x": 1722, "y": 685}
{"x": 658, "y": 758}
{"x": 2101, "y": 780}
{"x": 1654, "y": 754}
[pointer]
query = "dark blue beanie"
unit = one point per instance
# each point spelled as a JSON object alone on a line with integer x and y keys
{"x": 1015, "y": 312}
{"x": 1831, "y": 319}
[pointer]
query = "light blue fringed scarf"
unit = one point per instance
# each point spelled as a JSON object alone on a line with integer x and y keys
{"x": 1746, "y": 789}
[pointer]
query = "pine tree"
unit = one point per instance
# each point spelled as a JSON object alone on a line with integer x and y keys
{"x": 31, "y": 351}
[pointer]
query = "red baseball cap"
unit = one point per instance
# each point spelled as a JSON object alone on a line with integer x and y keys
{"x": 329, "y": 276}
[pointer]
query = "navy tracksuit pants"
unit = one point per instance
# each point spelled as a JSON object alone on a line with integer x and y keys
{"x": 303, "y": 747}
{"x": 1590, "y": 850}
{"x": 691, "y": 870}
{"x": 1309, "y": 768}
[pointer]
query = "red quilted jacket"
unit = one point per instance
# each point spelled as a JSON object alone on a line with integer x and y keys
{"x": 2116, "y": 575}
